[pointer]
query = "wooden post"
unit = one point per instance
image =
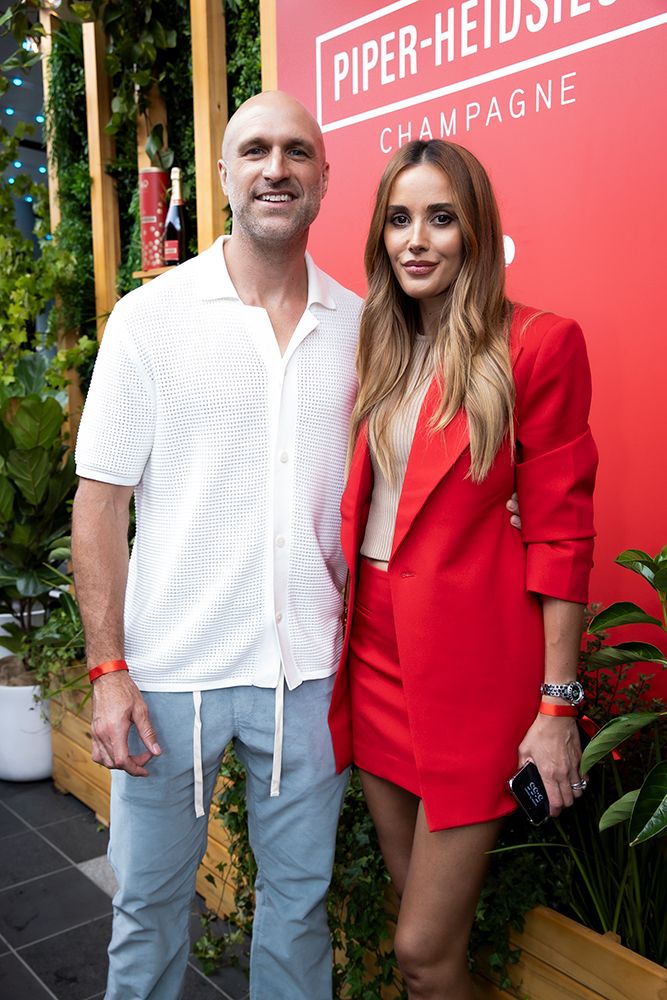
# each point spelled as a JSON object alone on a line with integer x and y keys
{"x": 103, "y": 197}
{"x": 209, "y": 94}
{"x": 268, "y": 29}
{"x": 66, "y": 338}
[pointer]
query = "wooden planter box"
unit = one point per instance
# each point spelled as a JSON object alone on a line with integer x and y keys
{"x": 560, "y": 959}
{"x": 75, "y": 772}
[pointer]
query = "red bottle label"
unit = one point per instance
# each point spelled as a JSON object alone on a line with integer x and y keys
{"x": 171, "y": 249}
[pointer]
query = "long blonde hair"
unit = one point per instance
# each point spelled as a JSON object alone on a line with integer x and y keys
{"x": 470, "y": 353}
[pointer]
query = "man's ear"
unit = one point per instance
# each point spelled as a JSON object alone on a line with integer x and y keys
{"x": 222, "y": 171}
{"x": 325, "y": 179}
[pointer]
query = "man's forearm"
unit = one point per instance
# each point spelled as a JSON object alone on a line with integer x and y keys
{"x": 100, "y": 557}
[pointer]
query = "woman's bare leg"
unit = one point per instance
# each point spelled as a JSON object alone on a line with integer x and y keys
{"x": 394, "y": 813}
{"x": 439, "y": 876}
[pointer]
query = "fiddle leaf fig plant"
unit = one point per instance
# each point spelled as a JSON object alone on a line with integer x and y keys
{"x": 645, "y": 808}
{"x": 37, "y": 481}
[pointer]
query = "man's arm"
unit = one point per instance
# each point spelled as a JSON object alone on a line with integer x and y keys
{"x": 100, "y": 556}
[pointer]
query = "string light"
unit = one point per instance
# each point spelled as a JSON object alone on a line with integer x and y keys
{"x": 42, "y": 170}
{"x": 17, "y": 81}
{"x": 30, "y": 45}
{"x": 39, "y": 119}
{"x": 51, "y": 4}
{"x": 18, "y": 164}
{"x": 10, "y": 112}
{"x": 28, "y": 198}
{"x": 11, "y": 180}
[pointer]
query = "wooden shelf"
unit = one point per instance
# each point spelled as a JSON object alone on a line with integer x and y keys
{"x": 153, "y": 273}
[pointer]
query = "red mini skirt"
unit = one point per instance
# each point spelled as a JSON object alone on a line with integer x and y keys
{"x": 382, "y": 741}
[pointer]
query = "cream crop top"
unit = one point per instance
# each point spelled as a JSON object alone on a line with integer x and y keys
{"x": 378, "y": 539}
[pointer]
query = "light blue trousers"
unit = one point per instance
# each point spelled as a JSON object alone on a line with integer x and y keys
{"x": 157, "y": 842}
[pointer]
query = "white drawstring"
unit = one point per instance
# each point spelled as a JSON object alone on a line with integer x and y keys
{"x": 196, "y": 754}
{"x": 278, "y": 734}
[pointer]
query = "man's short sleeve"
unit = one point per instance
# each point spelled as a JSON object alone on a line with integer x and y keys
{"x": 117, "y": 426}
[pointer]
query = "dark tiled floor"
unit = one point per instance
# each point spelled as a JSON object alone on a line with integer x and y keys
{"x": 55, "y": 921}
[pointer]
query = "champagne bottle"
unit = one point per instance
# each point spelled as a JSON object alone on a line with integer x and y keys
{"x": 175, "y": 245}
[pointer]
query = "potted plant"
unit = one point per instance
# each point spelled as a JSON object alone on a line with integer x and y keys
{"x": 599, "y": 870}
{"x": 37, "y": 481}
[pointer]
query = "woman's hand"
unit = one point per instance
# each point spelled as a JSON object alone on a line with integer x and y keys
{"x": 553, "y": 743}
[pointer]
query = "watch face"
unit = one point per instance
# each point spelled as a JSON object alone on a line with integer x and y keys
{"x": 576, "y": 692}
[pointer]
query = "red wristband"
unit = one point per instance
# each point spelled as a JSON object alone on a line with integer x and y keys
{"x": 548, "y": 709}
{"x": 108, "y": 667}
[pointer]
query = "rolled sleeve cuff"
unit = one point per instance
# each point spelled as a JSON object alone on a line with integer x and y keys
{"x": 560, "y": 569}
{"x": 102, "y": 476}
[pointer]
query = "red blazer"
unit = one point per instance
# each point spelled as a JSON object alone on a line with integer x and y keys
{"x": 465, "y": 584}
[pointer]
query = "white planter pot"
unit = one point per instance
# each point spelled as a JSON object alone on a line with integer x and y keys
{"x": 25, "y": 732}
{"x": 4, "y": 619}
{"x": 25, "y": 735}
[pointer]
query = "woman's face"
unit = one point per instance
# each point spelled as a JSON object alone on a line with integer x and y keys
{"x": 422, "y": 235}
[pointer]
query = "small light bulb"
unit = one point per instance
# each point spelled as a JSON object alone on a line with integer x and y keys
{"x": 42, "y": 170}
{"x": 17, "y": 81}
{"x": 18, "y": 164}
{"x": 28, "y": 198}
{"x": 30, "y": 44}
{"x": 11, "y": 180}
{"x": 39, "y": 119}
{"x": 10, "y": 112}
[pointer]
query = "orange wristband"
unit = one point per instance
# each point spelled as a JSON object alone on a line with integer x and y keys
{"x": 547, "y": 709}
{"x": 108, "y": 667}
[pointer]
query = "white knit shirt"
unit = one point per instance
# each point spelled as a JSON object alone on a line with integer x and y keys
{"x": 237, "y": 455}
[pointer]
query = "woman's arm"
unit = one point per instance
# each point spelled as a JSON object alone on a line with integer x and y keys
{"x": 553, "y": 741}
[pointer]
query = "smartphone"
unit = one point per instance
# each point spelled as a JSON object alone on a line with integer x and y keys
{"x": 528, "y": 789}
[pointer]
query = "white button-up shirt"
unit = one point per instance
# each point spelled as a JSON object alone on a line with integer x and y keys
{"x": 237, "y": 457}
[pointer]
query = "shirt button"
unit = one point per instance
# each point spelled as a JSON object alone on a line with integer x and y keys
{"x": 284, "y": 457}
{"x": 279, "y": 616}
{"x": 280, "y": 541}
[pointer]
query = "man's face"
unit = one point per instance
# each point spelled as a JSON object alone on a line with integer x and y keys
{"x": 273, "y": 169}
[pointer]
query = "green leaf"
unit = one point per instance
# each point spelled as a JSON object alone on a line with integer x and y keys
{"x": 660, "y": 579}
{"x": 626, "y": 652}
{"x": 60, "y": 555}
{"x": 649, "y": 817}
{"x": 618, "y": 811}
{"x": 30, "y": 471}
{"x": 6, "y": 499}
{"x": 30, "y": 585}
{"x": 30, "y": 372}
{"x": 36, "y": 423}
{"x": 613, "y": 734}
{"x": 154, "y": 146}
{"x": 621, "y": 613}
{"x": 639, "y": 562}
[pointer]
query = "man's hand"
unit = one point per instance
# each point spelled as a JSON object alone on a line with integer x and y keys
{"x": 117, "y": 704}
{"x": 513, "y": 507}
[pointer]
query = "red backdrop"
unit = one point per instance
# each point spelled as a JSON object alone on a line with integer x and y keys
{"x": 565, "y": 102}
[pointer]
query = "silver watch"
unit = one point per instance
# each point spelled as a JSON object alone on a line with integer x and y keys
{"x": 572, "y": 692}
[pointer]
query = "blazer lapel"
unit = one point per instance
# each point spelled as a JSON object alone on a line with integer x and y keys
{"x": 356, "y": 499}
{"x": 431, "y": 457}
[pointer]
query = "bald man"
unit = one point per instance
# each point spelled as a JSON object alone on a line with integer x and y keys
{"x": 221, "y": 399}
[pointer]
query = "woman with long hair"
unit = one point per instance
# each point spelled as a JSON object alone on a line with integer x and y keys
{"x": 460, "y": 654}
